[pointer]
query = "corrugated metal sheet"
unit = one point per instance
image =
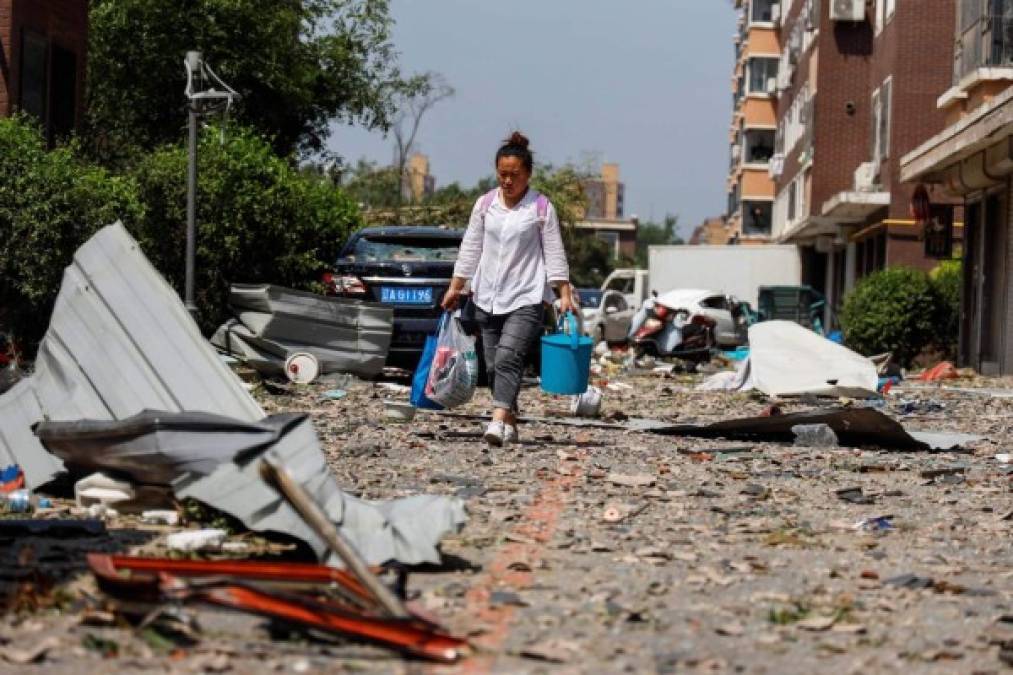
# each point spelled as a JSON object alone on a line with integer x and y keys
{"x": 119, "y": 342}
{"x": 348, "y": 336}
{"x": 407, "y": 530}
{"x": 19, "y": 410}
{"x": 158, "y": 447}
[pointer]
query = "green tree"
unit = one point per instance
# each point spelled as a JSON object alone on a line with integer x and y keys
{"x": 298, "y": 64}
{"x": 656, "y": 234}
{"x": 50, "y": 204}
{"x": 373, "y": 186}
{"x": 260, "y": 220}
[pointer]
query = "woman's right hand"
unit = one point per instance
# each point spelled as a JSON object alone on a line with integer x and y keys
{"x": 451, "y": 299}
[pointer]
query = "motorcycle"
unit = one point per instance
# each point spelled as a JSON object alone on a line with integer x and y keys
{"x": 674, "y": 332}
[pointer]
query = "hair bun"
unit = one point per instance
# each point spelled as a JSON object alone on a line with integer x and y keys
{"x": 518, "y": 139}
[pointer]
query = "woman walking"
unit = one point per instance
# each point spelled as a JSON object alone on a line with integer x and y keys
{"x": 512, "y": 253}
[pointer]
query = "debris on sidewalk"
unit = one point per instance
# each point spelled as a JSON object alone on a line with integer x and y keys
{"x": 786, "y": 359}
{"x": 855, "y": 427}
{"x": 273, "y": 324}
{"x": 247, "y": 587}
{"x": 157, "y": 447}
{"x": 406, "y": 530}
{"x": 119, "y": 342}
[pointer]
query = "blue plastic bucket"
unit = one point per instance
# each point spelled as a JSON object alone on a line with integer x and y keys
{"x": 566, "y": 360}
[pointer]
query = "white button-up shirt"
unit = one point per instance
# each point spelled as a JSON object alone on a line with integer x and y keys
{"x": 512, "y": 256}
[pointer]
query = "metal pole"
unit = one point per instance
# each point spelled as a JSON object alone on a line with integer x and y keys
{"x": 278, "y": 476}
{"x": 194, "y": 61}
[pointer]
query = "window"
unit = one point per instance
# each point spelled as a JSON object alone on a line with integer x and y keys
{"x": 984, "y": 36}
{"x": 792, "y": 196}
{"x": 762, "y": 11}
{"x": 715, "y": 302}
{"x": 621, "y": 285}
{"x": 610, "y": 238}
{"x": 880, "y": 135}
{"x": 63, "y": 106}
{"x": 762, "y": 74}
{"x": 885, "y": 101}
{"x": 756, "y": 217}
{"x": 759, "y": 145}
{"x": 615, "y": 302}
{"x": 34, "y": 69}
{"x": 733, "y": 200}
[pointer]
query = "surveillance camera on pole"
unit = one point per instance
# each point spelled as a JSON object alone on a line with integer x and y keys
{"x": 207, "y": 95}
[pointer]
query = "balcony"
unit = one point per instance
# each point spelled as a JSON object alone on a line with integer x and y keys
{"x": 984, "y": 41}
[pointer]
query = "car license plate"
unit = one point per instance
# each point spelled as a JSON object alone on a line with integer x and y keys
{"x": 406, "y": 296}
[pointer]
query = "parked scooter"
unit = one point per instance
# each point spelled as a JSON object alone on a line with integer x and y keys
{"x": 667, "y": 331}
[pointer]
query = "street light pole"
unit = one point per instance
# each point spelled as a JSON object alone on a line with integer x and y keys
{"x": 193, "y": 62}
{"x": 206, "y": 94}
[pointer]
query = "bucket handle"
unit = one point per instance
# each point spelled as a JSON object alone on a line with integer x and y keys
{"x": 574, "y": 338}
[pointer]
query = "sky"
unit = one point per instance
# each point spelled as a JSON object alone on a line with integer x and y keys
{"x": 644, "y": 83}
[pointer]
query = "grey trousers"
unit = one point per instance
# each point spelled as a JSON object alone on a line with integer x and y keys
{"x": 506, "y": 340}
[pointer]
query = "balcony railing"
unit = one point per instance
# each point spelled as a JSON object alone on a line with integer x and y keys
{"x": 987, "y": 42}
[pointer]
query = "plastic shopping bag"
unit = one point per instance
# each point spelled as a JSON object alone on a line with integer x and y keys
{"x": 453, "y": 375}
{"x": 421, "y": 377}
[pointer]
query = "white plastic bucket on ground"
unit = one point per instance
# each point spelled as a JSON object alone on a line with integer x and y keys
{"x": 302, "y": 367}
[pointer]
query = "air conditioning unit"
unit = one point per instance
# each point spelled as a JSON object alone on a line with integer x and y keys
{"x": 736, "y": 151}
{"x": 771, "y": 85}
{"x": 775, "y": 14}
{"x": 776, "y": 166}
{"x": 847, "y": 10}
{"x": 865, "y": 176}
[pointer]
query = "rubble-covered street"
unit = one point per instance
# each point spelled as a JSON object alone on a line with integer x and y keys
{"x": 605, "y": 550}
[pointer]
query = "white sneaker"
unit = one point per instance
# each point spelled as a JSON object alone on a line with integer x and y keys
{"x": 495, "y": 433}
{"x": 509, "y": 434}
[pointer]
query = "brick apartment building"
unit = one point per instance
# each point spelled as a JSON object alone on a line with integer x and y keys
{"x": 754, "y": 121}
{"x": 857, "y": 82}
{"x": 42, "y": 62}
{"x": 972, "y": 160}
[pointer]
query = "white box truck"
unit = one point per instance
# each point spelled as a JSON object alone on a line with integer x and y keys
{"x": 738, "y": 271}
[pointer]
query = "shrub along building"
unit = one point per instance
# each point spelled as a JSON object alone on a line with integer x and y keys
{"x": 44, "y": 45}
{"x": 854, "y": 84}
{"x": 972, "y": 159}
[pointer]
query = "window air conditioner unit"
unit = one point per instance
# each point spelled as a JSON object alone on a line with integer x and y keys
{"x": 775, "y": 14}
{"x": 865, "y": 176}
{"x": 776, "y": 166}
{"x": 771, "y": 85}
{"x": 736, "y": 151}
{"x": 847, "y": 10}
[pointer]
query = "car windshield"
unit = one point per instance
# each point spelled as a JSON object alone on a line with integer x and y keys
{"x": 590, "y": 298}
{"x": 404, "y": 249}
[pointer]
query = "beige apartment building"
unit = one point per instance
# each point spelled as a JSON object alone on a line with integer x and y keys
{"x": 754, "y": 122}
{"x": 418, "y": 183}
{"x": 605, "y": 214}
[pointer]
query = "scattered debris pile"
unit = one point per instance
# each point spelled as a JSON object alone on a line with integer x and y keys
{"x": 786, "y": 359}
{"x": 274, "y": 324}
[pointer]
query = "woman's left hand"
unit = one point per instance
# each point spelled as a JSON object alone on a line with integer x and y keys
{"x": 565, "y": 300}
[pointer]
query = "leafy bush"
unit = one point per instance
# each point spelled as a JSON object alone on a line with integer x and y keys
{"x": 893, "y": 310}
{"x": 947, "y": 279}
{"x": 50, "y": 203}
{"x": 259, "y": 219}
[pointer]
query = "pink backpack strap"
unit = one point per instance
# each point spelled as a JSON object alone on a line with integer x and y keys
{"x": 542, "y": 206}
{"x": 487, "y": 199}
